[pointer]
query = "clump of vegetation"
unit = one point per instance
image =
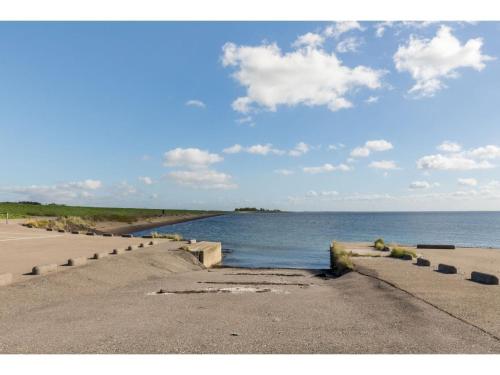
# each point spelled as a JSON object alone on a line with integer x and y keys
{"x": 70, "y": 223}
{"x": 340, "y": 259}
{"x": 399, "y": 252}
{"x": 254, "y": 209}
{"x": 170, "y": 236}
{"x": 379, "y": 244}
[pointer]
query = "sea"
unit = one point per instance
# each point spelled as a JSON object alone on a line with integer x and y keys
{"x": 301, "y": 239}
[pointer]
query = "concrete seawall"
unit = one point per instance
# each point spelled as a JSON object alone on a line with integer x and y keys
{"x": 208, "y": 253}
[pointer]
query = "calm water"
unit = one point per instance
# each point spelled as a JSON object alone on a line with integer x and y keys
{"x": 302, "y": 239}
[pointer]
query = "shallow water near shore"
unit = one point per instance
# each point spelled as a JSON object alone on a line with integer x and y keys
{"x": 301, "y": 240}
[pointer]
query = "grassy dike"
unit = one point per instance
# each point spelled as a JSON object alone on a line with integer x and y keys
{"x": 127, "y": 215}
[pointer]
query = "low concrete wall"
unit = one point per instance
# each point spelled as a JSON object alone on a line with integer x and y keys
{"x": 44, "y": 269}
{"x": 208, "y": 253}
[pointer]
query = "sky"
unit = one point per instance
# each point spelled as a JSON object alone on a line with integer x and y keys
{"x": 305, "y": 116}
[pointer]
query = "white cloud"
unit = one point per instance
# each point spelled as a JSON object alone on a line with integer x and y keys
{"x": 371, "y": 99}
{"x": 350, "y": 44}
{"x": 383, "y": 164}
{"x": 64, "y": 192}
{"x": 124, "y": 189}
{"x": 326, "y": 168}
{"x": 341, "y": 27}
{"x": 399, "y": 26}
{"x": 375, "y": 145}
{"x": 451, "y": 162}
{"x": 195, "y": 103}
{"x": 235, "y": 149}
{"x": 467, "y": 181}
{"x": 321, "y": 194}
{"x": 422, "y": 185}
{"x": 257, "y": 149}
{"x": 300, "y": 149}
{"x": 264, "y": 150}
{"x": 431, "y": 61}
{"x": 336, "y": 147}
{"x": 360, "y": 152}
{"x": 146, "y": 180}
{"x": 203, "y": 179}
{"x": 245, "y": 120}
{"x": 308, "y": 76}
{"x": 309, "y": 40}
{"x": 486, "y": 152}
{"x": 284, "y": 172}
{"x": 190, "y": 158}
{"x": 448, "y": 146}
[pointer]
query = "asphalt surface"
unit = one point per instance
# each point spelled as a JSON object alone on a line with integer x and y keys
{"x": 114, "y": 306}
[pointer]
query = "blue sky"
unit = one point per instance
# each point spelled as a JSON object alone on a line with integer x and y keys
{"x": 289, "y": 115}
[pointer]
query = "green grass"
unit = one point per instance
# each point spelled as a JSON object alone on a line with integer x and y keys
{"x": 379, "y": 244}
{"x": 18, "y": 210}
{"x": 399, "y": 252}
{"x": 340, "y": 259}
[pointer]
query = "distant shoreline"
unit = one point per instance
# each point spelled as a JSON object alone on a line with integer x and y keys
{"x": 121, "y": 228}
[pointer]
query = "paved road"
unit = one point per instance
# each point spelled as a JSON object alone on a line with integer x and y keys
{"x": 113, "y": 306}
{"x": 23, "y": 248}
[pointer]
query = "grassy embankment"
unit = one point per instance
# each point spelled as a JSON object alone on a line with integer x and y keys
{"x": 80, "y": 218}
{"x": 340, "y": 259}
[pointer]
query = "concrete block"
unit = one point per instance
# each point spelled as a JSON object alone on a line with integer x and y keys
{"x": 90, "y": 234}
{"x": 44, "y": 269}
{"x": 208, "y": 253}
{"x": 127, "y": 235}
{"x": 130, "y": 248}
{"x": 61, "y": 230}
{"x": 107, "y": 234}
{"x": 407, "y": 257}
{"x": 151, "y": 243}
{"x": 141, "y": 245}
{"x": 117, "y": 251}
{"x": 192, "y": 241}
{"x": 423, "y": 262}
{"x": 80, "y": 261}
{"x": 5, "y": 279}
{"x": 425, "y": 246}
{"x": 484, "y": 278}
{"x": 100, "y": 255}
{"x": 75, "y": 232}
{"x": 49, "y": 229}
{"x": 446, "y": 268}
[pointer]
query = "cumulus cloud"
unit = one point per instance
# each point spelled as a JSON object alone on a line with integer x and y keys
{"x": 383, "y": 164}
{"x": 342, "y": 27}
{"x": 326, "y": 168}
{"x": 486, "y": 152}
{"x": 300, "y": 149}
{"x": 64, "y": 192}
{"x": 195, "y": 103}
{"x": 448, "y": 146}
{"x": 309, "y": 40}
{"x": 336, "y": 147}
{"x": 375, "y": 145}
{"x": 422, "y": 185}
{"x": 371, "y": 99}
{"x": 451, "y": 162}
{"x": 203, "y": 179}
{"x": 284, "y": 172}
{"x": 234, "y": 149}
{"x": 429, "y": 62}
{"x": 146, "y": 180}
{"x": 305, "y": 76}
{"x": 264, "y": 150}
{"x": 381, "y": 27}
{"x": 190, "y": 158}
{"x": 467, "y": 181}
{"x": 350, "y": 44}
